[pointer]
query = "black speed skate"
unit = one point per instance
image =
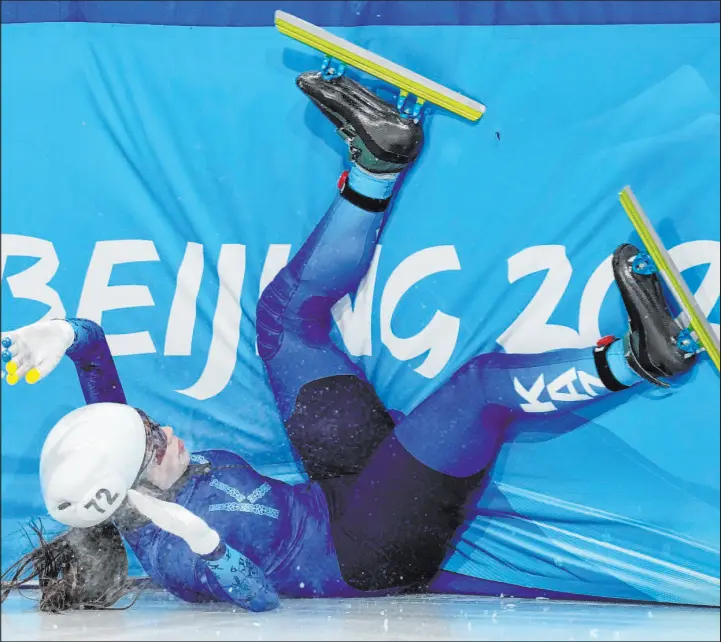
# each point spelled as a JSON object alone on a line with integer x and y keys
{"x": 380, "y": 140}
{"x": 655, "y": 345}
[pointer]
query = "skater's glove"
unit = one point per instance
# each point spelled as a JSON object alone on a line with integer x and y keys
{"x": 237, "y": 579}
{"x": 35, "y": 350}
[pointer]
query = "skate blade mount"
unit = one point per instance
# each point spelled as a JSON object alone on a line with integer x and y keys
{"x": 699, "y": 325}
{"x": 409, "y": 83}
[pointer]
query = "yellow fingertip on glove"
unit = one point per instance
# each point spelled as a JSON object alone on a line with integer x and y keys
{"x": 12, "y": 368}
{"x": 12, "y": 378}
{"x": 33, "y": 376}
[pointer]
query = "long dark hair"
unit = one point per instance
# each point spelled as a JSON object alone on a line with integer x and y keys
{"x": 82, "y": 568}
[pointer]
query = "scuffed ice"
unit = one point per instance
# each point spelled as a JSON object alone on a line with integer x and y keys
{"x": 429, "y": 617}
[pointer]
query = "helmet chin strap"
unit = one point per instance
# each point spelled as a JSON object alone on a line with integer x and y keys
{"x": 178, "y": 520}
{"x": 155, "y": 491}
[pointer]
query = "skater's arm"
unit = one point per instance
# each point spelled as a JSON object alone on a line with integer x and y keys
{"x": 225, "y": 575}
{"x": 94, "y": 364}
{"x": 192, "y": 558}
{"x": 34, "y": 351}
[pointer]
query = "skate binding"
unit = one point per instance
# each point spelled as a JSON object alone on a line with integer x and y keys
{"x": 332, "y": 68}
{"x": 686, "y": 342}
{"x": 410, "y": 106}
{"x": 643, "y": 264}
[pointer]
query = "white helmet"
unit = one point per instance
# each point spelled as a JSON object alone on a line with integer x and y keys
{"x": 89, "y": 462}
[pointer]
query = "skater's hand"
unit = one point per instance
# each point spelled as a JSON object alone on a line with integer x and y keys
{"x": 237, "y": 579}
{"x": 35, "y": 350}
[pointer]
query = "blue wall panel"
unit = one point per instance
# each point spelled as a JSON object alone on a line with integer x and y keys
{"x": 154, "y": 149}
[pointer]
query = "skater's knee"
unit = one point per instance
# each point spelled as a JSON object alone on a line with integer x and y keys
{"x": 308, "y": 318}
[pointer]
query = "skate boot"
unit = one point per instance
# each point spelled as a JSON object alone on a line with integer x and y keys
{"x": 655, "y": 345}
{"x": 380, "y": 140}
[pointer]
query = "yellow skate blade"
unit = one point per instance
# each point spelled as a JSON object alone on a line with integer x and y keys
{"x": 375, "y": 65}
{"x": 676, "y": 283}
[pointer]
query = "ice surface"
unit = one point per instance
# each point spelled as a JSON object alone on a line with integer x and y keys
{"x": 158, "y": 616}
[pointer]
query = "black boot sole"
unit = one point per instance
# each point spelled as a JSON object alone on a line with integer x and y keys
{"x": 346, "y": 103}
{"x": 651, "y": 345}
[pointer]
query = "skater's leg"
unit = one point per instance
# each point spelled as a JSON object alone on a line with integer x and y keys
{"x": 332, "y": 414}
{"x": 448, "y": 430}
{"x": 391, "y": 527}
{"x": 294, "y": 311}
